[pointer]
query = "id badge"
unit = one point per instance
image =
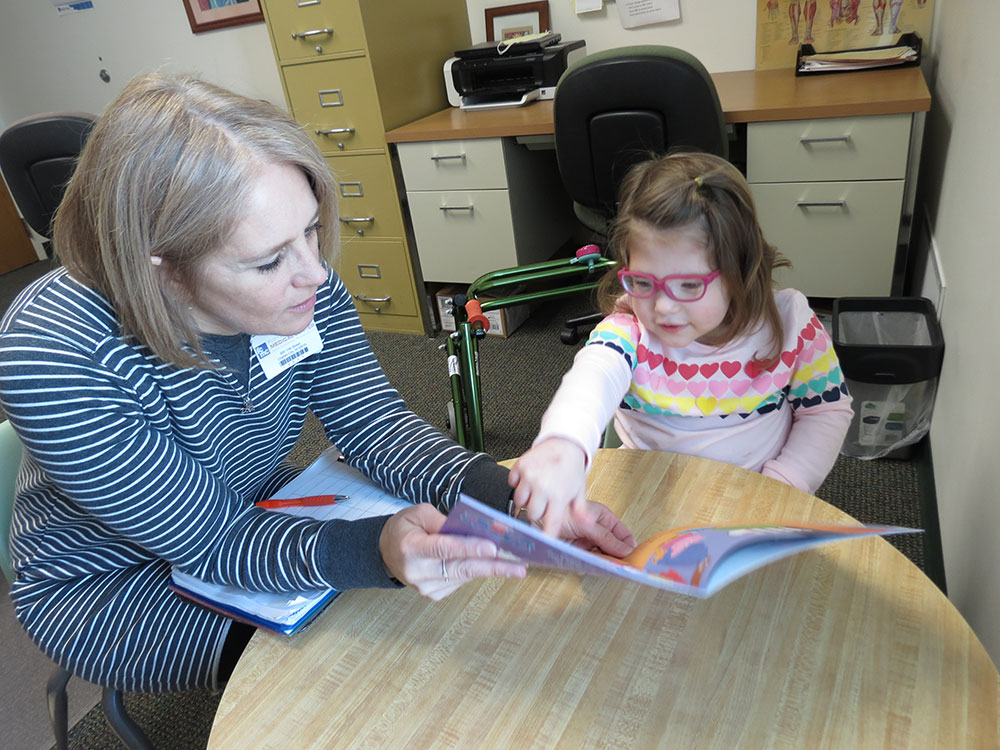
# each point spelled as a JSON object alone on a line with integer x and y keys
{"x": 277, "y": 353}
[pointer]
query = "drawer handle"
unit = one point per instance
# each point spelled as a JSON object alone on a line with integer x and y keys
{"x": 470, "y": 209}
{"x": 821, "y": 204}
{"x": 349, "y": 219}
{"x": 831, "y": 139}
{"x": 312, "y": 32}
{"x": 448, "y": 156}
{"x": 363, "y": 298}
{"x": 332, "y": 131}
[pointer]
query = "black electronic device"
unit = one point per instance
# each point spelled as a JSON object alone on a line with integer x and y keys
{"x": 512, "y": 78}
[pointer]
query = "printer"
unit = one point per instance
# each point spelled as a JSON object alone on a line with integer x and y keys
{"x": 509, "y": 74}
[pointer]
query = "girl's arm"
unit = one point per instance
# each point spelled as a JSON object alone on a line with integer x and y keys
{"x": 812, "y": 446}
{"x": 551, "y": 476}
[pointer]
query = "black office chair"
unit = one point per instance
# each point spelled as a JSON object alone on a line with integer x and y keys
{"x": 615, "y": 108}
{"x": 37, "y": 157}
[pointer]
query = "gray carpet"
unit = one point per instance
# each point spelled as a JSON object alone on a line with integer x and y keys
{"x": 518, "y": 377}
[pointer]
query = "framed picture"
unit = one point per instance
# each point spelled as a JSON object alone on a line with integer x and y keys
{"x": 509, "y": 21}
{"x": 206, "y": 15}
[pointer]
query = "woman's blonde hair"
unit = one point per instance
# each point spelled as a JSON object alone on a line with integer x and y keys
{"x": 706, "y": 191}
{"x": 167, "y": 172}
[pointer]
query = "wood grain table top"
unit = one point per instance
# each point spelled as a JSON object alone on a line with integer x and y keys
{"x": 849, "y": 645}
{"x": 745, "y": 96}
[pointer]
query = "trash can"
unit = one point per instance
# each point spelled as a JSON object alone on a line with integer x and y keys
{"x": 890, "y": 350}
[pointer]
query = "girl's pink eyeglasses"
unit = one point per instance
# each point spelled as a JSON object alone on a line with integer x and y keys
{"x": 689, "y": 287}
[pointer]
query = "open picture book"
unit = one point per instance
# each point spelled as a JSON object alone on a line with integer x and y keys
{"x": 692, "y": 560}
{"x": 356, "y": 497}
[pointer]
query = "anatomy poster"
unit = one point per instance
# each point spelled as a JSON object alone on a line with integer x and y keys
{"x": 829, "y": 25}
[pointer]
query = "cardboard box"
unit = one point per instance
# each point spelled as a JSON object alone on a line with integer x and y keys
{"x": 503, "y": 322}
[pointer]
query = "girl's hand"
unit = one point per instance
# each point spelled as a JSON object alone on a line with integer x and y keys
{"x": 437, "y": 564}
{"x": 549, "y": 479}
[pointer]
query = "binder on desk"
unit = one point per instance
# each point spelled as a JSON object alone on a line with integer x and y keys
{"x": 289, "y": 613}
{"x": 903, "y": 54}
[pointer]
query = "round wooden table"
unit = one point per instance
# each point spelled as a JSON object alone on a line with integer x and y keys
{"x": 849, "y": 645}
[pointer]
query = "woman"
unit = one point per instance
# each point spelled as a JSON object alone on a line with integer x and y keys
{"x": 193, "y": 236}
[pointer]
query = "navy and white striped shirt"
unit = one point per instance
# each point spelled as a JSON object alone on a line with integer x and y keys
{"x": 133, "y": 466}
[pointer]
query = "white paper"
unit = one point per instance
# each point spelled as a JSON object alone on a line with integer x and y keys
{"x": 587, "y": 6}
{"x": 633, "y": 13}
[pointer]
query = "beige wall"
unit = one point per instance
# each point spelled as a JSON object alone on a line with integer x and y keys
{"x": 50, "y": 62}
{"x": 958, "y": 184}
{"x": 720, "y": 33}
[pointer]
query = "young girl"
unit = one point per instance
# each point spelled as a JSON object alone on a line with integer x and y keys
{"x": 699, "y": 354}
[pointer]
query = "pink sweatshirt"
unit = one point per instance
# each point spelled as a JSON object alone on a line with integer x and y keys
{"x": 787, "y": 422}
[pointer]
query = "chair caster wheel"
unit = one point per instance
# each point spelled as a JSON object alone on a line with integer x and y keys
{"x": 569, "y": 336}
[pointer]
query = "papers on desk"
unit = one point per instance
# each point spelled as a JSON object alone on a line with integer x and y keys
{"x": 289, "y": 613}
{"x": 693, "y": 560}
{"x": 905, "y": 52}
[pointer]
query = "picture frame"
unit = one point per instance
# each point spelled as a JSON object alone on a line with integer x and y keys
{"x": 208, "y": 15}
{"x": 510, "y": 21}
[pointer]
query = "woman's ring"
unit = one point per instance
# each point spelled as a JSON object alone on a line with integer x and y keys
{"x": 444, "y": 570}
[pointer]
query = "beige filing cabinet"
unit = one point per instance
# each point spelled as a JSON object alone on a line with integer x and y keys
{"x": 352, "y": 69}
{"x": 829, "y": 194}
{"x": 482, "y": 204}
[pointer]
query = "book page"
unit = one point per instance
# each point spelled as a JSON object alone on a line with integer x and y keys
{"x": 696, "y": 561}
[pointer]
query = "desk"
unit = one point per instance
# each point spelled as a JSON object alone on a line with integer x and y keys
{"x": 846, "y": 646}
{"x": 845, "y": 251}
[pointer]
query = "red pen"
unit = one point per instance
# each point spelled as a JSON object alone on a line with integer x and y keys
{"x": 298, "y": 502}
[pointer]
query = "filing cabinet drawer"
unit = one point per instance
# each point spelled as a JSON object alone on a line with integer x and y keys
{"x": 339, "y": 96}
{"x": 366, "y": 196}
{"x": 840, "y": 236}
{"x": 836, "y": 148}
{"x": 462, "y": 234}
{"x": 292, "y": 20}
{"x": 377, "y": 276}
{"x": 477, "y": 163}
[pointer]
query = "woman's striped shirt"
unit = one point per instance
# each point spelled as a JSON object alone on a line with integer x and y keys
{"x": 133, "y": 466}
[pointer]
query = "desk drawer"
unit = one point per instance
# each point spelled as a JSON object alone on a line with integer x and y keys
{"x": 836, "y": 148}
{"x": 366, "y": 196}
{"x": 845, "y": 249}
{"x": 378, "y": 276}
{"x": 472, "y": 235}
{"x": 297, "y": 17}
{"x": 336, "y": 95}
{"x": 477, "y": 163}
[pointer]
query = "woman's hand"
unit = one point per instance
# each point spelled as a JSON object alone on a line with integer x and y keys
{"x": 600, "y": 528}
{"x": 436, "y": 564}
{"x": 549, "y": 479}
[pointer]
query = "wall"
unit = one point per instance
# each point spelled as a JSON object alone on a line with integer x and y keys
{"x": 721, "y": 33}
{"x": 50, "y": 62}
{"x": 958, "y": 188}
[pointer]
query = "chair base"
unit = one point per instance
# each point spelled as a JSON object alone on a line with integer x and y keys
{"x": 569, "y": 335}
{"x": 114, "y": 710}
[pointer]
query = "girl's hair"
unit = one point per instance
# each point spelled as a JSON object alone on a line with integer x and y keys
{"x": 167, "y": 171}
{"x": 705, "y": 191}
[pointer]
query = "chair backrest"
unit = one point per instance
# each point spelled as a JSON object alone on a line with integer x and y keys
{"x": 614, "y": 108}
{"x": 37, "y": 157}
{"x": 10, "y": 463}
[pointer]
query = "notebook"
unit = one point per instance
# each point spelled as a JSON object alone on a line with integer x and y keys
{"x": 283, "y": 612}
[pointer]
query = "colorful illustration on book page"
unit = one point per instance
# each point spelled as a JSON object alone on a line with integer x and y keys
{"x": 830, "y": 25}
